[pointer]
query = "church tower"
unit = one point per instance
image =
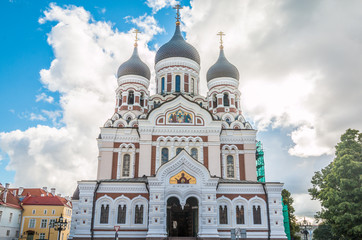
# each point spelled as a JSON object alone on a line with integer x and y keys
{"x": 132, "y": 95}
{"x": 176, "y": 163}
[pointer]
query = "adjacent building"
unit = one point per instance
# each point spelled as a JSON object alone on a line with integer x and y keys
{"x": 10, "y": 214}
{"x": 39, "y": 215}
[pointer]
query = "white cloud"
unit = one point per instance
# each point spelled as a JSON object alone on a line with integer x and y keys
{"x": 87, "y": 55}
{"x": 296, "y": 60}
{"x": 44, "y": 97}
{"x": 36, "y": 117}
{"x": 157, "y": 5}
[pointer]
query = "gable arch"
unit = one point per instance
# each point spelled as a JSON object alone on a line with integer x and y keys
{"x": 183, "y": 161}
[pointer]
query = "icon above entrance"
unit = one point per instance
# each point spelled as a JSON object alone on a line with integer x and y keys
{"x": 182, "y": 178}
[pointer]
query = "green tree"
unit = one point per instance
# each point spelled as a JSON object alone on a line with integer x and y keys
{"x": 294, "y": 227}
{"x": 324, "y": 232}
{"x": 338, "y": 188}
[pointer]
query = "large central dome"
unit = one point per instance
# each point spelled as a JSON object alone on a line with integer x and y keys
{"x": 177, "y": 47}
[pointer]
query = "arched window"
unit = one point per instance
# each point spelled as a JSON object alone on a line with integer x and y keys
{"x": 162, "y": 85}
{"x": 126, "y": 165}
{"x": 214, "y": 101}
{"x": 230, "y": 173}
{"x": 104, "y": 213}
{"x": 240, "y": 219}
{"x": 138, "y": 214}
{"x": 130, "y": 98}
{"x": 178, "y": 150}
{"x": 164, "y": 157}
{"x": 226, "y": 100}
{"x": 122, "y": 211}
{"x": 256, "y": 214}
{"x": 178, "y": 83}
{"x": 192, "y": 86}
{"x": 142, "y": 99}
{"x": 120, "y": 99}
{"x": 194, "y": 153}
{"x": 223, "y": 214}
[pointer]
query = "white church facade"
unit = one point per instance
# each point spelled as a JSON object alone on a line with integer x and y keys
{"x": 177, "y": 164}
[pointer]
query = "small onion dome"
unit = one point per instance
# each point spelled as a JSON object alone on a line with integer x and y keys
{"x": 177, "y": 47}
{"x": 222, "y": 68}
{"x": 134, "y": 66}
{"x": 76, "y": 194}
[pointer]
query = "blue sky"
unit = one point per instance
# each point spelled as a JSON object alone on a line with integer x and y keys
{"x": 25, "y": 52}
{"x": 299, "y": 63}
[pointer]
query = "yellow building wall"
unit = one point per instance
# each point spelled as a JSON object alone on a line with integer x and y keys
{"x": 39, "y": 212}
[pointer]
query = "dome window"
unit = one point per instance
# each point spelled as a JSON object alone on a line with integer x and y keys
{"x": 226, "y": 100}
{"x": 214, "y": 101}
{"x": 163, "y": 85}
{"x": 142, "y": 99}
{"x": 177, "y": 83}
{"x": 130, "y": 98}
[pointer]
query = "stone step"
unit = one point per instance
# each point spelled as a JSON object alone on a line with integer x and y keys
{"x": 181, "y": 238}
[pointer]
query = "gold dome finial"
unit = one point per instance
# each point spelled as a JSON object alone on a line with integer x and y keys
{"x": 136, "y": 39}
{"x": 221, "y": 34}
{"x": 178, "y": 7}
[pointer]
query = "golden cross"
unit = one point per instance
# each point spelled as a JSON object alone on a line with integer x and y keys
{"x": 178, "y": 7}
{"x": 136, "y": 39}
{"x": 221, "y": 34}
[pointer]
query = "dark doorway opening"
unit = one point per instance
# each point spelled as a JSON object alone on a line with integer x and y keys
{"x": 182, "y": 222}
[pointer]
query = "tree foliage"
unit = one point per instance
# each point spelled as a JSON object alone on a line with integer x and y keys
{"x": 294, "y": 227}
{"x": 338, "y": 188}
{"x": 324, "y": 232}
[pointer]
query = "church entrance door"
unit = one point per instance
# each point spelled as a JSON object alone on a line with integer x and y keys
{"x": 182, "y": 222}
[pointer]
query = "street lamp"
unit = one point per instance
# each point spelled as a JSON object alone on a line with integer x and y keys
{"x": 305, "y": 227}
{"x": 60, "y": 225}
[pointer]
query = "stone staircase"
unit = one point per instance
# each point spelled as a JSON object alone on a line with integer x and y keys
{"x": 182, "y": 238}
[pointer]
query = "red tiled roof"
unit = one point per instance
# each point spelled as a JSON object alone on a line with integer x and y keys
{"x": 46, "y": 200}
{"x": 11, "y": 200}
{"x": 30, "y": 191}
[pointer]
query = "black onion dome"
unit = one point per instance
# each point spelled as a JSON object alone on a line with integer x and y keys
{"x": 222, "y": 68}
{"x": 177, "y": 47}
{"x": 134, "y": 66}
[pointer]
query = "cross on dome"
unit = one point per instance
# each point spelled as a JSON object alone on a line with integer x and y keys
{"x": 136, "y": 39}
{"x": 178, "y": 7}
{"x": 221, "y": 42}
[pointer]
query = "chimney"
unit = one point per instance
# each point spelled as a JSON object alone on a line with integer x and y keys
{"x": 45, "y": 188}
{"x": 52, "y": 190}
{"x": 14, "y": 192}
{"x": 21, "y": 189}
{"x": 7, "y": 185}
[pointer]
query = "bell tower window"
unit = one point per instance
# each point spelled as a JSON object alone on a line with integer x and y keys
{"x": 130, "y": 98}
{"x": 226, "y": 100}
{"x": 177, "y": 83}
{"x": 230, "y": 173}
{"x": 194, "y": 153}
{"x": 164, "y": 157}
{"x": 126, "y": 165}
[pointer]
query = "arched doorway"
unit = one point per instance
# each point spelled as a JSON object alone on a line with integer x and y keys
{"x": 182, "y": 222}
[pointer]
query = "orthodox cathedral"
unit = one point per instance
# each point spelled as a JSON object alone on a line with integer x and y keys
{"x": 177, "y": 164}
